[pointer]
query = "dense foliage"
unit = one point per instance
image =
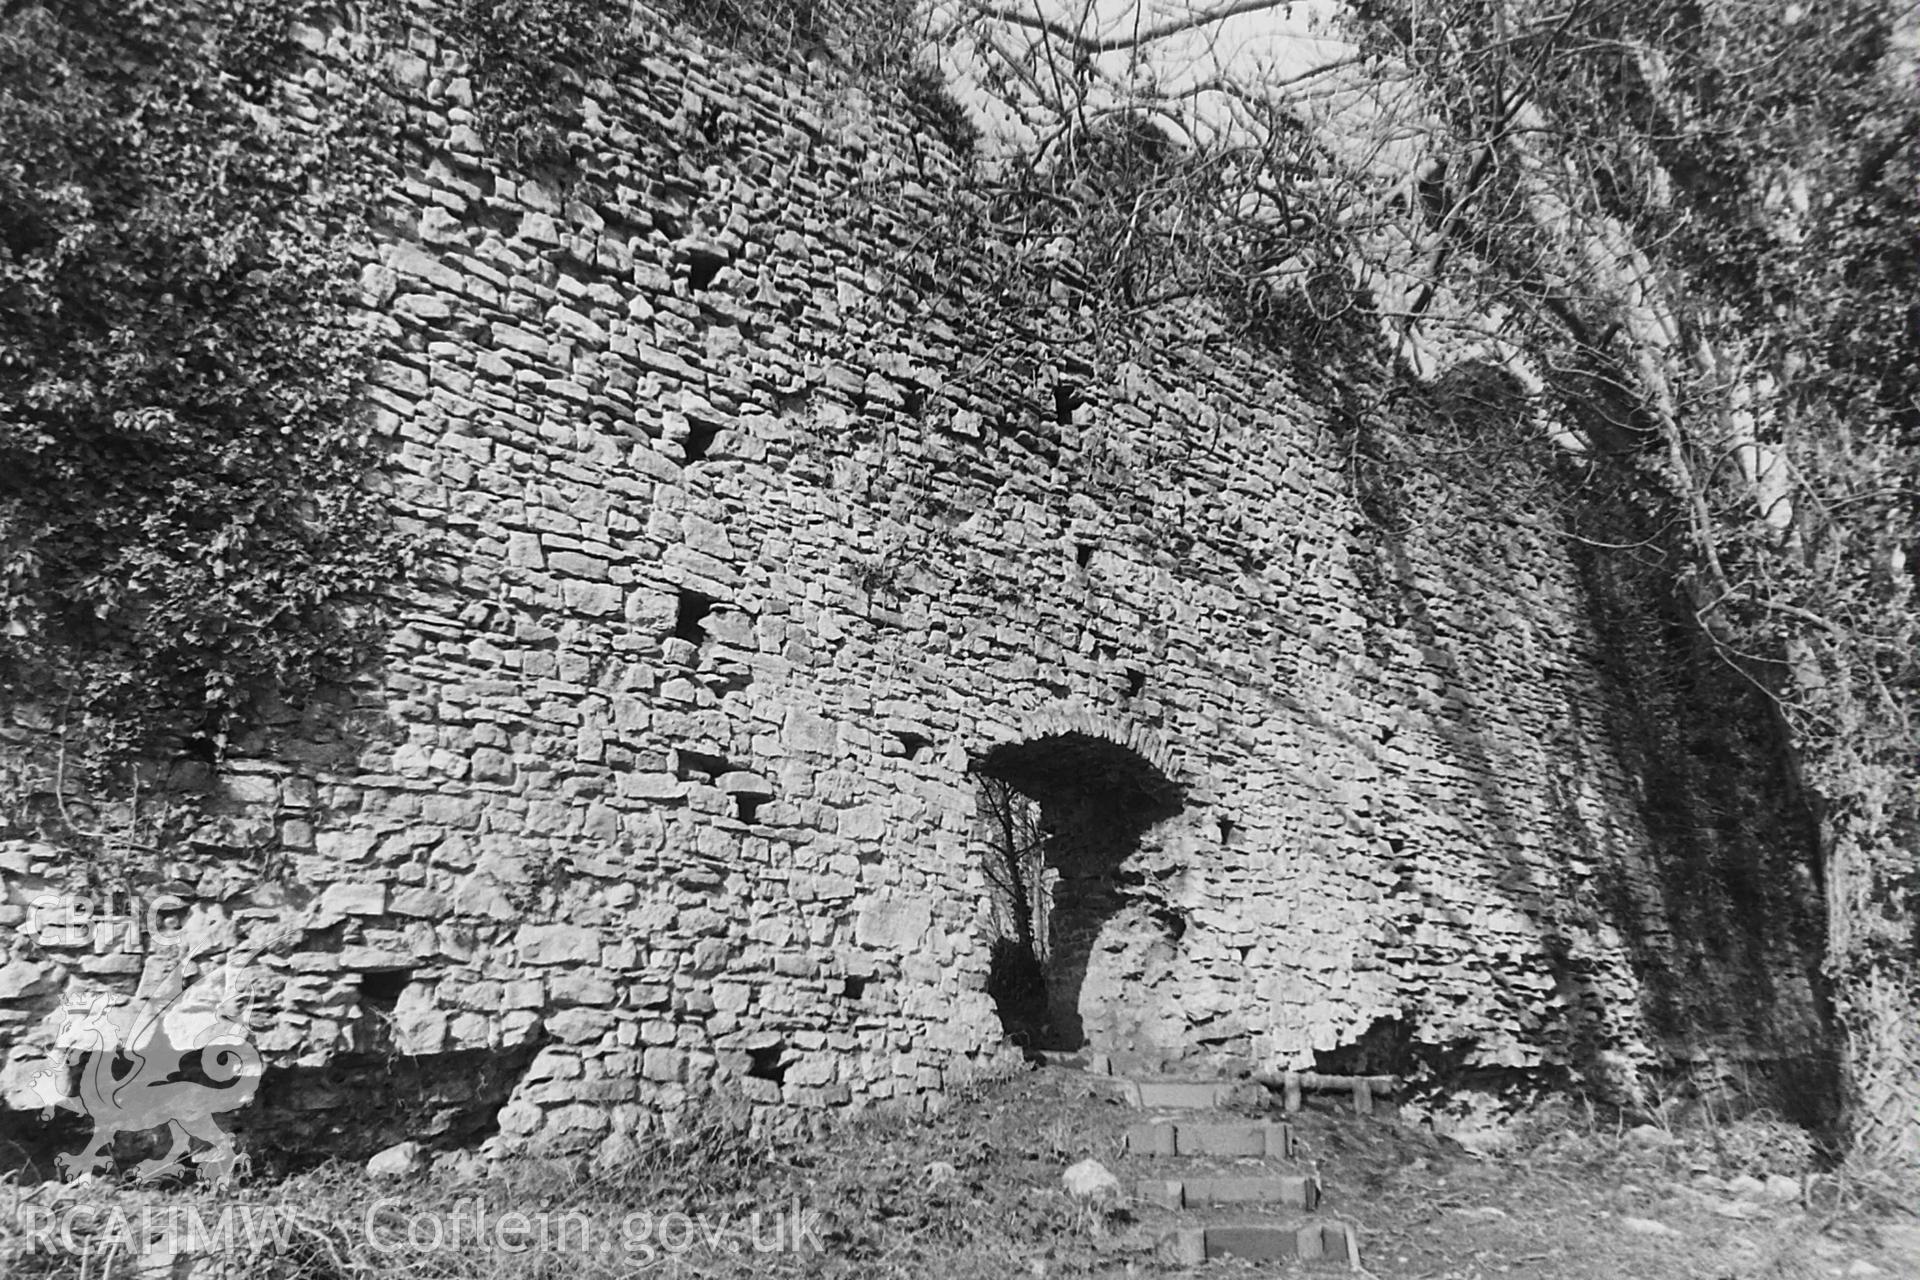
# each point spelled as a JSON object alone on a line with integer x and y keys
{"x": 184, "y": 523}
{"x": 527, "y": 57}
{"x": 530, "y": 58}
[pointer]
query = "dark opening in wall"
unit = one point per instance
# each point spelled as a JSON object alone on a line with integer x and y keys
{"x": 1060, "y": 816}
{"x": 689, "y": 764}
{"x": 855, "y": 988}
{"x": 1173, "y": 921}
{"x": 1226, "y": 829}
{"x": 165, "y": 918}
{"x": 360, "y": 1103}
{"x": 1066, "y": 398}
{"x": 700, "y": 437}
{"x": 202, "y": 742}
{"x": 791, "y": 404}
{"x": 382, "y": 990}
{"x": 913, "y": 402}
{"x": 768, "y": 1063}
{"x": 748, "y": 807}
{"x": 1083, "y": 554}
{"x": 703, "y": 264}
{"x": 912, "y": 744}
{"x": 689, "y": 620}
{"x": 1386, "y": 1047}
{"x": 1136, "y": 681}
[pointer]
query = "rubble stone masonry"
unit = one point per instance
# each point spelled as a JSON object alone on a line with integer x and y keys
{"x": 750, "y": 530}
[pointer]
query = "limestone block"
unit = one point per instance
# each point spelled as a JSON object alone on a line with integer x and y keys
{"x": 520, "y": 1119}
{"x": 377, "y": 284}
{"x": 579, "y": 1025}
{"x": 374, "y": 959}
{"x": 578, "y": 565}
{"x": 892, "y": 924}
{"x": 805, "y": 731}
{"x": 479, "y": 895}
{"x": 400, "y": 1161}
{"x": 22, "y": 978}
{"x": 490, "y": 765}
{"x": 580, "y": 1118}
{"x": 420, "y": 1031}
{"x": 741, "y": 783}
{"x": 862, "y": 822}
{"x": 813, "y": 1071}
{"x": 1091, "y": 1180}
{"x": 557, "y": 944}
{"x": 583, "y": 988}
{"x": 653, "y": 786}
{"x": 351, "y": 900}
{"x": 412, "y": 263}
{"x": 706, "y": 536}
{"x": 423, "y": 903}
{"x": 555, "y": 1064}
{"x": 665, "y": 1065}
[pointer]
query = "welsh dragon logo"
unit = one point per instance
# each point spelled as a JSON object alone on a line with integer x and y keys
{"x": 175, "y": 1059}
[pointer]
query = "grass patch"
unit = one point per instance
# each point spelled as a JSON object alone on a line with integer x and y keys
{"x": 974, "y": 1193}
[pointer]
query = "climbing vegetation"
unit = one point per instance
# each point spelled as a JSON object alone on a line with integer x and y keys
{"x": 1690, "y": 225}
{"x": 186, "y": 526}
{"x": 531, "y": 58}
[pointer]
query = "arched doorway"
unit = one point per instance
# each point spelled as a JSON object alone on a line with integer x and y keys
{"x": 1060, "y": 815}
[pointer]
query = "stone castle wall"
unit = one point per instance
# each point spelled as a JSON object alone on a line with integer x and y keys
{"x": 751, "y": 531}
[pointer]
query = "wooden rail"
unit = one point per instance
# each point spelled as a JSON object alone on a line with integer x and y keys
{"x": 1292, "y": 1084}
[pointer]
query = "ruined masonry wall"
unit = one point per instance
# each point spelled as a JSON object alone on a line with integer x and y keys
{"x": 745, "y": 856}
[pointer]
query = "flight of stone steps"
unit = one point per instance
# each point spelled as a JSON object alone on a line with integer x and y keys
{"x": 1210, "y": 1178}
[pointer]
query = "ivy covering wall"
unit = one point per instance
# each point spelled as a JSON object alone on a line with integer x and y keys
{"x": 185, "y": 527}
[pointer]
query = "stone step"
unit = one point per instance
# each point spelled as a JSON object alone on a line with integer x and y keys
{"x": 1070, "y": 1060}
{"x": 1177, "y": 1095}
{"x": 1255, "y": 1139}
{"x": 1138, "y": 1066}
{"x": 1291, "y": 1191}
{"x": 1312, "y": 1241}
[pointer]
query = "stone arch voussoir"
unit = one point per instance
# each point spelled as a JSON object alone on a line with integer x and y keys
{"x": 1064, "y": 718}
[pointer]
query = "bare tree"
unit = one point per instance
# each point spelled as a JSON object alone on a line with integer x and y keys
{"x": 1014, "y": 858}
{"x": 1691, "y": 223}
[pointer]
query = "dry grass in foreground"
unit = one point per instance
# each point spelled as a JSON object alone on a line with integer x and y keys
{"x": 975, "y": 1192}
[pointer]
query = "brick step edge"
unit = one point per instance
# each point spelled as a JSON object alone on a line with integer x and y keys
{"x": 1256, "y": 1139}
{"x": 1320, "y": 1241}
{"x": 1292, "y": 1191}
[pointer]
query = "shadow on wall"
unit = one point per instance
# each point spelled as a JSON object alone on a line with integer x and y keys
{"x": 361, "y": 1103}
{"x": 252, "y": 817}
{"x": 1719, "y": 906}
{"x": 1719, "y": 912}
{"x": 1061, "y": 817}
{"x": 1735, "y": 842}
